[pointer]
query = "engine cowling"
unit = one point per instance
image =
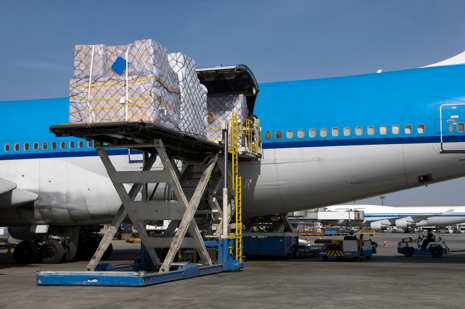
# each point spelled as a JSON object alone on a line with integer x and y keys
{"x": 380, "y": 225}
{"x": 22, "y": 233}
{"x": 404, "y": 222}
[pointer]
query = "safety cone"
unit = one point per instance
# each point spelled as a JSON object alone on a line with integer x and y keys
{"x": 385, "y": 245}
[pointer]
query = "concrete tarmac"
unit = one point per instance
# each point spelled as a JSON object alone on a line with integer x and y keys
{"x": 389, "y": 280}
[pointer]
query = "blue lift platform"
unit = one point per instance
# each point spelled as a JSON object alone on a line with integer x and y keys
{"x": 201, "y": 158}
{"x": 141, "y": 273}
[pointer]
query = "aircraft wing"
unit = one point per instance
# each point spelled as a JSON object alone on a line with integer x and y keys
{"x": 417, "y": 219}
{"x": 411, "y": 219}
{"x": 392, "y": 220}
{"x": 11, "y": 196}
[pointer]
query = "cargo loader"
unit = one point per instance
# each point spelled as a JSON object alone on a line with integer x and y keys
{"x": 351, "y": 246}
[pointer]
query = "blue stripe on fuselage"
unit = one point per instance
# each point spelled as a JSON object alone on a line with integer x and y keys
{"x": 393, "y": 98}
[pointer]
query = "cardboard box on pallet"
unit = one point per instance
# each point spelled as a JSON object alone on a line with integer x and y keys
{"x": 222, "y": 107}
{"x": 145, "y": 88}
{"x": 193, "y": 108}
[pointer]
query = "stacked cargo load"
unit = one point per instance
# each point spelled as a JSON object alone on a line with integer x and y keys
{"x": 193, "y": 106}
{"x": 132, "y": 82}
{"x": 221, "y": 108}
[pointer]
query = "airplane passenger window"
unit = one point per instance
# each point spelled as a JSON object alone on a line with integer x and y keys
{"x": 81, "y": 144}
{"x": 382, "y": 130}
{"x": 335, "y": 132}
{"x": 44, "y": 146}
{"x": 279, "y": 134}
{"x": 267, "y": 136}
{"x": 71, "y": 145}
{"x": 301, "y": 133}
{"x": 16, "y": 147}
{"x": 54, "y": 145}
{"x": 358, "y": 131}
{"x": 395, "y": 129}
{"x": 408, "y": 129}
{"x": 62, "y": 145}
{"x": 290, "y": 134}
{"x": 26, "y": 146}
{"x": 90, "y": 143}
{"x": 460, "y": 127}
{"x": 35, "y": 146}
{"x": 7, "y": 147}
{"x": 312, "y": 133}
{"x": 371, "y": 130}
{"x": 346, "y": 131}
{"x": 323, "y": 132}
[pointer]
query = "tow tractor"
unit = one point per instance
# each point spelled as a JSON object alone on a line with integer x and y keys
{"x": 420, "y": 246}
{"x": 349, "y": 247}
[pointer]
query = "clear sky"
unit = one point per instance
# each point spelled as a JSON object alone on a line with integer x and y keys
{"x": 278, "y": 40}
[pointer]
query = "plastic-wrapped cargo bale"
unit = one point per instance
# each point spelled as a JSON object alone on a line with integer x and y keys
{"x": 204, "y": 92}
{"x": 136, "y": 83}
{"x": 193, "y": 99}
{"x": 222, "y": 107}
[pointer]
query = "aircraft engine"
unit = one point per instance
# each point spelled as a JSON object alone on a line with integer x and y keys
{"x": 22, "y": 233}
{"x": 404, "y": 222}
{"x": 379, "y": 225}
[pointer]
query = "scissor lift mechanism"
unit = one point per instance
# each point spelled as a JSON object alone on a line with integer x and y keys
{"x": 168, "y": 145}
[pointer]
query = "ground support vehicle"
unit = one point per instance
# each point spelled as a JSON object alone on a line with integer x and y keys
{"x": 409, "y": 247}
{"x": 349, "y": 247}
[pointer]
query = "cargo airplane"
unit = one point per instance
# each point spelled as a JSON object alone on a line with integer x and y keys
{"x": 380, "y": 217}
{"x": 325, "y": 142}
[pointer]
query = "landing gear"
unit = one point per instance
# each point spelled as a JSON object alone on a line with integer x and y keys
{"x": 52, "y": 252}
{"x": 87, "y": 249}
{"x": 70, "y": 253}
{"x": 25, "y": 252}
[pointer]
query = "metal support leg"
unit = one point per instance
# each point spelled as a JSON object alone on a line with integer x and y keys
{"x": 287, "y": 225}
{"x": 121, "y": 214}
{"x": 187, "y": 222}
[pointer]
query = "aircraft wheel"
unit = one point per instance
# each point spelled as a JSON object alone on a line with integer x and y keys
{"x": 408, "y": 252}
{"x": 71, "y": 252}
{"x": 52, "y": 252}
{"x": 436, "y": 252}
{"x": 25, "y": 252}
{"x": 87, "y": 249}
{"x": 108, "y": 252}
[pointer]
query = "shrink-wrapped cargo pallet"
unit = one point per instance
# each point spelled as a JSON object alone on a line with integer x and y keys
{"x": 132, "y": 82}
{"x": 220, "y": 108}
{"x": 193, "y": 107}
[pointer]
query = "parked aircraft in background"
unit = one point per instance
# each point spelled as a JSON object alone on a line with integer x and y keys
{"x": 325, "y": 142}
{"x": 380, "y": 217}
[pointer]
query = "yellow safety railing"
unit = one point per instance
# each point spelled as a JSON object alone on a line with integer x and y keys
{"x": 236, "y": 132}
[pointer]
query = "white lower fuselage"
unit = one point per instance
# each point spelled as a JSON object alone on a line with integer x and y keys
{"x": 77, "y": 190}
